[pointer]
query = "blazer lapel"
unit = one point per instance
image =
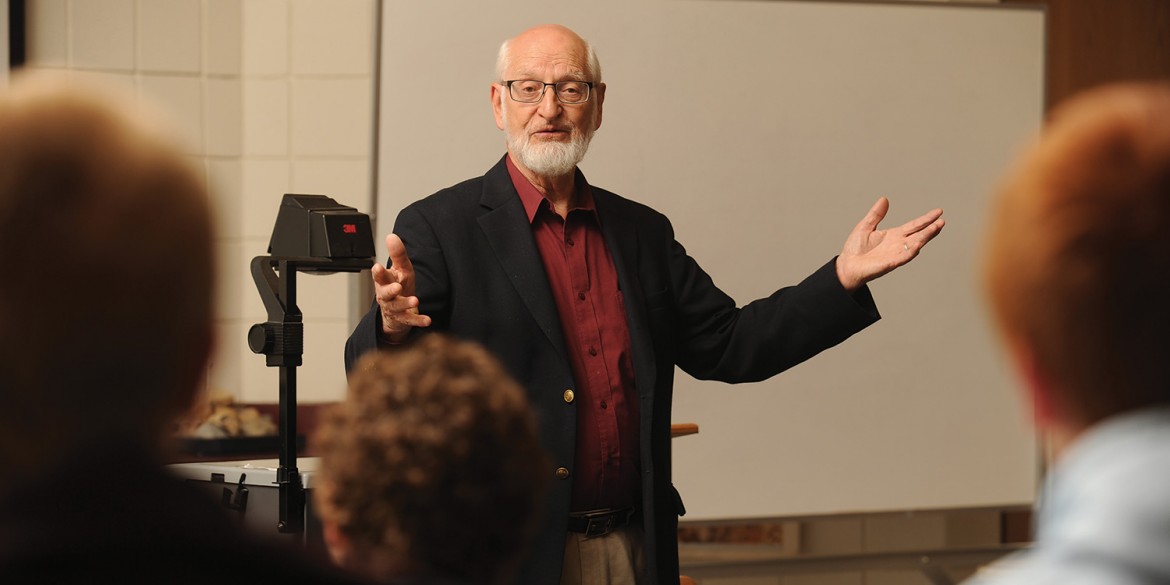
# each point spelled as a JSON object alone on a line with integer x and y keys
{"x": 621, "y": 236}
{"x": 508, "y": 231}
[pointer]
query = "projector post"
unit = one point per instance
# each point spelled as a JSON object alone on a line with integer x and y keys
{"x": 313, "y": 234}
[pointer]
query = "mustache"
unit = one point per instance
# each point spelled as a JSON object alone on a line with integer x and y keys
{"x": 551, "y": 128}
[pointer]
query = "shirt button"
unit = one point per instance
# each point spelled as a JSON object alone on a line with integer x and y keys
{"x": 604, "y": 405}
{"x": 569, "y": 395}
{"x": 580, "y": 296}
{"x": 593, "y": 351}
{"x": 569, "y": 241}
{"x": 562, "y": 473}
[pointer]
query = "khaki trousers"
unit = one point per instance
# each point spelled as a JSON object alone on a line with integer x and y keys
{"x": 613, "y": 559}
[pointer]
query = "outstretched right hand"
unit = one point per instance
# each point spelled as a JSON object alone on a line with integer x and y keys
{"x": 394, "y": 291}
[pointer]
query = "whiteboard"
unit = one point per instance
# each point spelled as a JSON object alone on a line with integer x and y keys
{"x": 795, "y": 118}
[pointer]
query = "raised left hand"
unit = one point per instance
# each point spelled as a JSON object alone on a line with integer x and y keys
{"x": 870, "y": 252}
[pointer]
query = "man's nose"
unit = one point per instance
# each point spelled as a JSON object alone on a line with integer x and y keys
{"x": 549, "y": 107}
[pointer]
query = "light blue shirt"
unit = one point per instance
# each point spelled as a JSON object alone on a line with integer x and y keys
{"x": 1105, "y": 515}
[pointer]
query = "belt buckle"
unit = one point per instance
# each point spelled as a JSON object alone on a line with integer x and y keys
{"x": 600, "y": 525}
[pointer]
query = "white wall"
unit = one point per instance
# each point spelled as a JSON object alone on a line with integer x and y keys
{"x": 765, "y": 130}
{"x": 274, "y": 97}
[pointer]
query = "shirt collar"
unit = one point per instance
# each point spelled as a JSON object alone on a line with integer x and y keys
{"x": 534, "y": 200}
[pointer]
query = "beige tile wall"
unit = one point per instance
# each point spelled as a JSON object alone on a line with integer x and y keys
{"x": 272, "y": 97}
{"x": 4, "y": 57}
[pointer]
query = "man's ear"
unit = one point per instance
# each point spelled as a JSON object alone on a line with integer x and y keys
{"x": 1054, "y": 416}
{"x": 1037, "y": 385}
{"x": 599, "y": 95}
{"x": 195, "y": 370}
{"x": 498, "y": 105}
{"x": 336, "y": 542}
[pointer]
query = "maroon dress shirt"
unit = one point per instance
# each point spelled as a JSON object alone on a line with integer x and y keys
{"x": 584, "y": 284}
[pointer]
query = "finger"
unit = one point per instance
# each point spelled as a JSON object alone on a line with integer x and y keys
{"x": 395, "y": 324}
{"x": 397, "y": 250}
{"x": 922, "y": 237}
{"x": 875, "y": 215}
{"x": 382, "y": 276}
{"x": 921, "y": 222}
{"x": 929, "y": 232}
{"x": 404, "y": 311}
{"x": 414, "y": 319}
{"x": 395, "y": 304}
{"x": 388, "y": 293}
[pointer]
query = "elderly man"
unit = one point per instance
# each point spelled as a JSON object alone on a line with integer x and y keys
{"x": 1078, "y": 276}
{"x": 590, "y": 303}
{"x": 105, "y": 331}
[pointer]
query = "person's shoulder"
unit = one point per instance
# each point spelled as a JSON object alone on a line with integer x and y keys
{"x": 462, "y": 193}
{"x": 160, "y": 527}
{"x": 225, "y": 567}
{"x": 457, "y": 205}
{"x": 267, "y": 563}
{"x": 467, "y": 194}
{"x": 608, "y": 201}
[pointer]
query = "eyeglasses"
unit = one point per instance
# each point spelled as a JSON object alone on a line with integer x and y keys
{"x": 529, "y": 91}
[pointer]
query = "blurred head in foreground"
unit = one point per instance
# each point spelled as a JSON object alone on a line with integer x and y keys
{"x": 1077, "y": 272}
{"x": 431, "y": 467}
{"x": 1078, "y": 262}
{"x": 105, "y": 298}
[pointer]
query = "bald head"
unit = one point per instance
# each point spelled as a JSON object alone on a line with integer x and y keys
{"x": 547, "y": 42}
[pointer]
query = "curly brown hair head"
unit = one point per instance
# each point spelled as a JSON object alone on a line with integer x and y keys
{"x": 1077, "y": 265}
{"x": 432, "y": 465}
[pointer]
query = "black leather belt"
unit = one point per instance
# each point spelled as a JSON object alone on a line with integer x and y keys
{"x": 601, "y": 522}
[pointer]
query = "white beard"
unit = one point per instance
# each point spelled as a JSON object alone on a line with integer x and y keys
{"x": 549, "y": 159}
